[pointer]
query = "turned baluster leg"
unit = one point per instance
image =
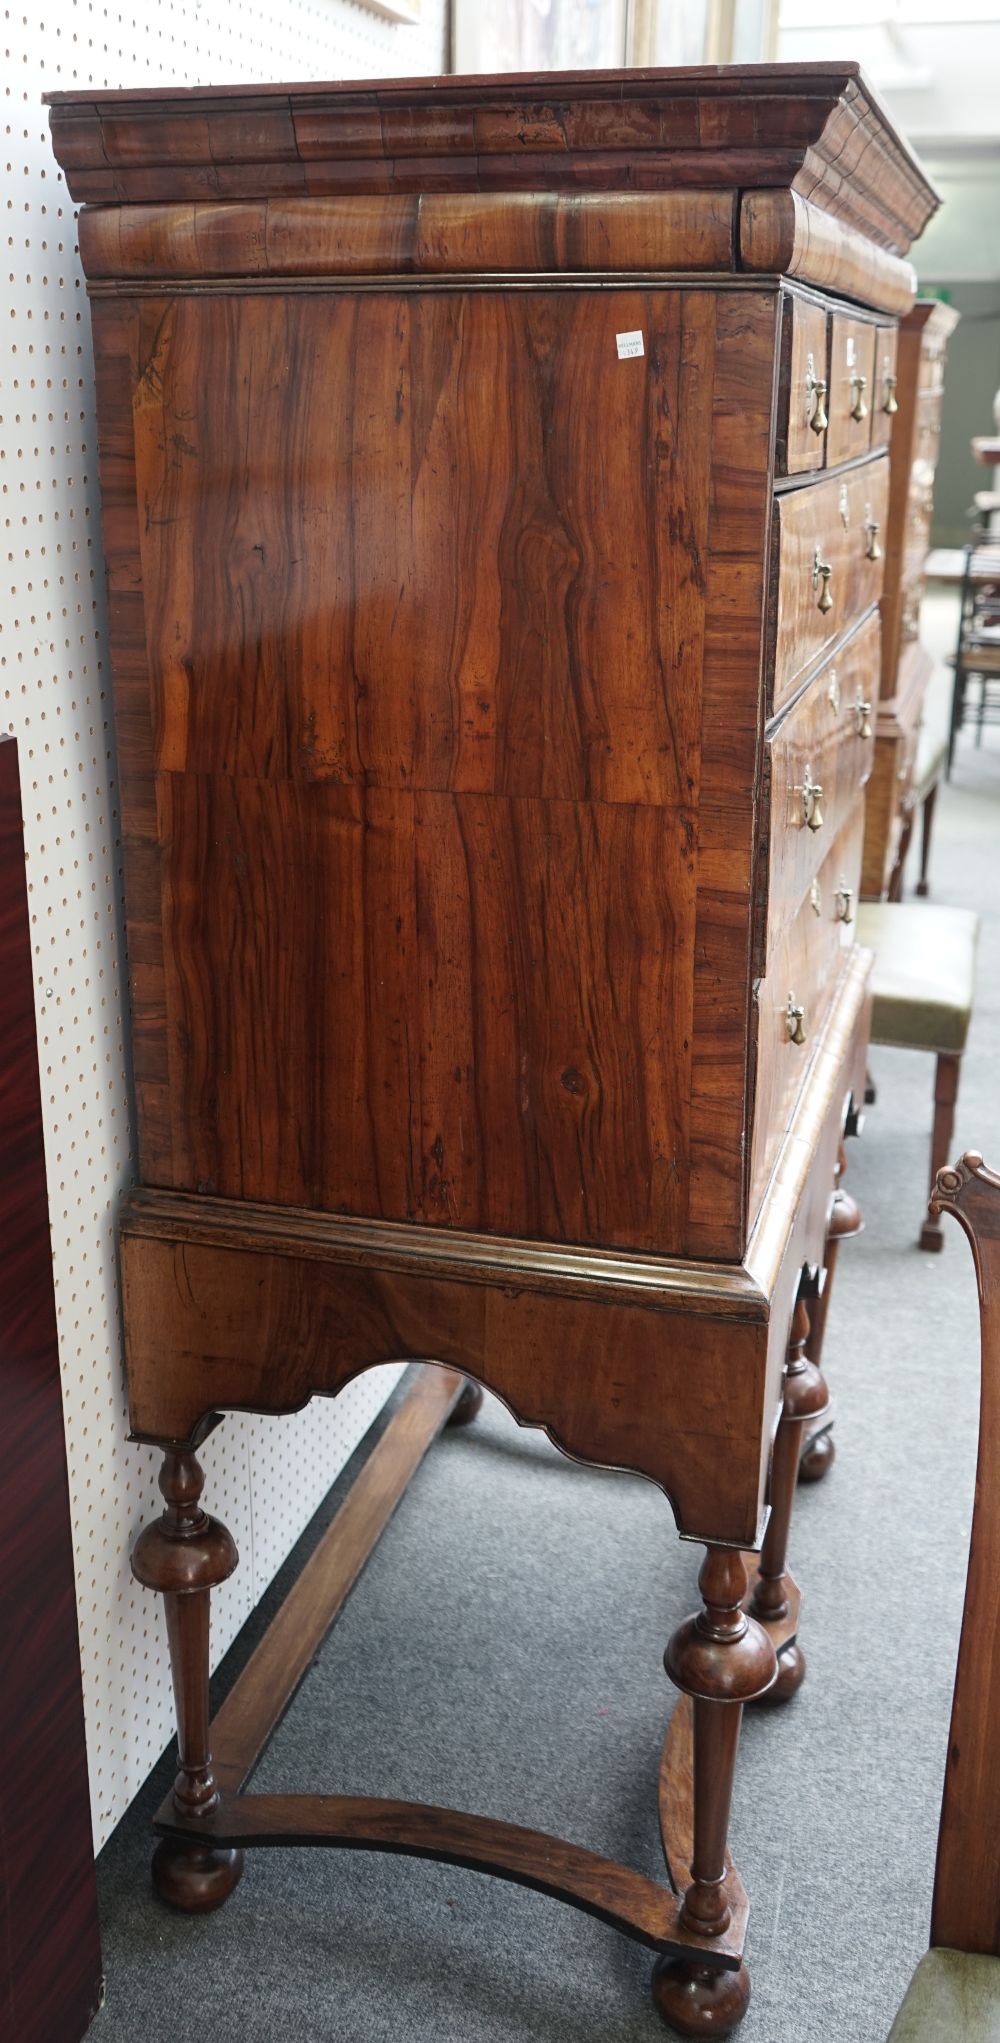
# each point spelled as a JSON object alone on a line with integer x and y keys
{"x": 721, "y": 1658}
{"x": 805, "y": 1398}
{"x": 184, "y": 1555}
{"x": 818, "y": 1449}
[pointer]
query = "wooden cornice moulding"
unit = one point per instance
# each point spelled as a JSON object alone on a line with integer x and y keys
{"x": 782, "y": 233}
{"x": 661, "y": 1283}
{"x": 420, "y": 233}
{"x": 815, "y": 129}
{"x": 933, "y": 316}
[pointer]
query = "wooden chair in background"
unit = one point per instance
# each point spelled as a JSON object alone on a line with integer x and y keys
{"x": 923, "y": 986}
{"x": 955, "y": 1991}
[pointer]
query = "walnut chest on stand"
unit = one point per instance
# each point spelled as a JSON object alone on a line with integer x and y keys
{"x": 493, "y": 472}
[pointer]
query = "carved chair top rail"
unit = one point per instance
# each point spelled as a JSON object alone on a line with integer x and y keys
{"x": 966, "y": 1911}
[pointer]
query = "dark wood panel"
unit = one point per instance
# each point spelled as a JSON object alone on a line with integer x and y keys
{"x": 374, "y": 574}
{"x": 50, "y": 1957}
{"x": 429, "y": 542}
{"x": 416, "y": 1020}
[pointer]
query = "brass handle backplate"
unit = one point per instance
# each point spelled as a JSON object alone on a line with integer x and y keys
{"x": 795, "y": 1016}
{"x": 822, "y": 570}
{"x": 815, "y": 398}
{"x": 812, "y": 799}
{"x": 859, "y": 402}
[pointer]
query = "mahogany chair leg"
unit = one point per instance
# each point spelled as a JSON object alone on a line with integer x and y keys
{"x": 722, "y": 1658}
{"x": 806, "y": 1397}
{"x": 926, "y": 826}
{"x": 945, "y": 1095}
{"x": 184, "y": 1555}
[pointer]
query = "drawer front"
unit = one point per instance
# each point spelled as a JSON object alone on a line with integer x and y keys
{"x": 827, "y": 526}
{"x": 803, "y": 969}
{"x": 821, "y": 761}
{"x": 807, "y": 1240}
{"x": 884, "y": 394}
{"x": 802, "y": 400}
{"x": 852, "y": 384}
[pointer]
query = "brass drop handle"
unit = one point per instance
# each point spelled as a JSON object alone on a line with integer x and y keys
{"x": 889, "y": 405}
{"x": 795, "y": 1017}
{"x": 845, "y": 903}
{"x": 863, "y": 712}
{"x": 859, "y": 403}
{"x": 812, "y": 797}
{"x": 873, "y": 551}
{"x": 815, "y": 398}
{"x": 822, "y": 570}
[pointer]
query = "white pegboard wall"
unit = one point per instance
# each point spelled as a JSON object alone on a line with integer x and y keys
{"x": 264, "y": 1477}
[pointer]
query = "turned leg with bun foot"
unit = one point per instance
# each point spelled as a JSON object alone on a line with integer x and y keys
{"x": 185, "y": 1555}
{"x": 468, "y": 1405}
{"x": 818, "y": 1449}
{"x": 805, "y": 1399}
{"x": 722, "y": 1658}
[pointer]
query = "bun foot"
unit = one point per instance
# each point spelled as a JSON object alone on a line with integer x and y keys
{"x": 195, "y": 1877}
{"x": 818, "y": 1458}
{"x": 700, "y": 2000}
{"x": 791, "y": 1675}
{"x": 470, "y": 1403}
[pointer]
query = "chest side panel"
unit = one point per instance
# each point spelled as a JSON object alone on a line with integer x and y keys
{"x": 425, "y": 816}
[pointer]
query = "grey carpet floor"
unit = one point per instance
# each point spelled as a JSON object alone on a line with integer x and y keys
{"x": 503, "y": 1652}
